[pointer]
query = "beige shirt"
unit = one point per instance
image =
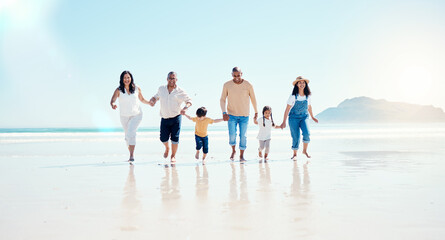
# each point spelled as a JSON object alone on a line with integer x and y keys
{"x": 239, "y": 97}
{"x": 171, "y": 102}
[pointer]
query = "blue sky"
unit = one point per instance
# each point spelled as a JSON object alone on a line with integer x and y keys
{"x": 60, "y": 60}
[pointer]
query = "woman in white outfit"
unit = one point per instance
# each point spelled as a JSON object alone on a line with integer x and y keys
{"x": 130, "y": 97}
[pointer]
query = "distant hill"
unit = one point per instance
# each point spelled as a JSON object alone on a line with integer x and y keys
{"x": 365, "y": 109}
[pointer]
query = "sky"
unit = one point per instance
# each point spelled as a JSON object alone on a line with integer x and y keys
{"x": 60, "y": 61}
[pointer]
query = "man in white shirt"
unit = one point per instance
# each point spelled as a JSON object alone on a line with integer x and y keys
{"x": 171, "y": 97}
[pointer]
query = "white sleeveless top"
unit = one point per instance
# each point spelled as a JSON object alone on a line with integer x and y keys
{"x": 129, "y": 104}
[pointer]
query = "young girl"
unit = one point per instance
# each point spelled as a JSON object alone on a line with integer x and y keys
{"x": 265, "y": 126}
{"x": 201, "y": 138}
{"x": 298, "y": 107}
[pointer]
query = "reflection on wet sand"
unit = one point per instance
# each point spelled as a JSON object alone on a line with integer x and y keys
{"x": 243, "y": 197}
{"x": 173, "y": 211}
{"x": 170, "y": 185}
{"x": 300, "y": 200}
{"x": 238, "y": 203}
{"x": 265, "y": 180}
{"x": 265, "y": 213}
{"x": 202, "y": 183}
{"x": 131, "y": 205}
{"x": 298, "y": 190}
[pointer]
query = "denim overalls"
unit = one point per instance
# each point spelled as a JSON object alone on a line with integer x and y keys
{"x": 298, "y": 118}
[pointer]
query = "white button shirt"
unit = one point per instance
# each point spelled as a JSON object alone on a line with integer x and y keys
{"x": 171, "y": 102}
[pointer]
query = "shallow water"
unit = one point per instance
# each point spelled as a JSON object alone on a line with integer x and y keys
{"x": 363, "y": 181}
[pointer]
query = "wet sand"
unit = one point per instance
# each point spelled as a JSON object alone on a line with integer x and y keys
{"x": 354, "y": 187}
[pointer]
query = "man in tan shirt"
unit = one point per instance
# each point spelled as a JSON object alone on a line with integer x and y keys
{"x": 239, "y": 93}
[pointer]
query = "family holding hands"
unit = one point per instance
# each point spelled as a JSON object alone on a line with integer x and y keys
{"x": 237, "y": 94}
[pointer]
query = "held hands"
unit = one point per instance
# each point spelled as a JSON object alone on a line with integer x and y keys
{"x": 183, "y": 110}
{"x": 226, "y": 117}
{"x": 315, "y": 120}
{"x": 152, "y": 101}
{"x": 113, "y": 106}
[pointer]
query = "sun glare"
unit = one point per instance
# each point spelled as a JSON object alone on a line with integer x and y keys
{"x": 414, "y": 82}
{"x": 6, "y": 3}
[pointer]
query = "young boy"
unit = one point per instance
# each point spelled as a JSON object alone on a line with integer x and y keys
{"x": 201, "y": 138}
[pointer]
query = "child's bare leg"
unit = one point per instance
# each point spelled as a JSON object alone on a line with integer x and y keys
{"x": 266, "y": 150}
{"x": 197, "y": 154}
{"x": 204, "y": 155}
{"x": 260, "y": 148}
{"x": 305, "y": 145}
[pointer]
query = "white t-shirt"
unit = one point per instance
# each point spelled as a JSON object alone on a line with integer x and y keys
{"x": 291, "y": 100}
{"x": 129, "y": 104}
{"x": 264, "y": 131}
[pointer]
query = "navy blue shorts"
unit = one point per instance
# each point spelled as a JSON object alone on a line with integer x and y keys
{"x": 170, "y": 128}
{"x": 202, "y": 142}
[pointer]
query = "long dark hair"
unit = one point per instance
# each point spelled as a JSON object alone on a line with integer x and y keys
{"x": 122, "y": 85}
{"x": 265, "y": 108}
{"x": 307, "y": 90}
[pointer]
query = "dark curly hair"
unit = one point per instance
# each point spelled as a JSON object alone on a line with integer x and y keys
{"x": 122, "y": 85}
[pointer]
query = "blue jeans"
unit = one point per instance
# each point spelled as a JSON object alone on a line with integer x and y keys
{"x": 202, "y": 142}
{"x": 295, "y": 124}
{"x": 242, "y": 122}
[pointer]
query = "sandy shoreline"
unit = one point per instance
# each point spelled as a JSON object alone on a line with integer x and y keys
{"x": 366, "y": 188}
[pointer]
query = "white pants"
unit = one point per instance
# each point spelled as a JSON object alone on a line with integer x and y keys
{"x": 264, "y": 144}
{"x": 130, "y": 125}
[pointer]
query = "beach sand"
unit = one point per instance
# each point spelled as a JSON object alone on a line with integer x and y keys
{"x": 361, "y": 183}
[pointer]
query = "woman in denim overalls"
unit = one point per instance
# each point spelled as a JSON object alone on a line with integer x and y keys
{"x": 298, "y": 107}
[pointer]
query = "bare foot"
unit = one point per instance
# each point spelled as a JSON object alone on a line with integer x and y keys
{"x": 260, "y": 154}
{"x": 203, "y": 162}
{"x": 197, "y": 155}
{"x": 294, "y": 157}
{"x": 241, "y": 158}
{"x": 307, "y": 155}
{"x": 232, "y": 157}
{"x": 266, "y": 158}
{"x": 173, "y": 159}
{"x": 166, "y": 152}
{"x": 204, "y": 156}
